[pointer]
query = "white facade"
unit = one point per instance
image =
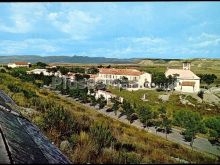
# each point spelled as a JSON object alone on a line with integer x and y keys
{"x": 18, "y": 64}
{"x": 187, "y": 81}
{"x": 44, "y": 72}
{"x": 106, "y": 95}
{"x": 137, "y": 80}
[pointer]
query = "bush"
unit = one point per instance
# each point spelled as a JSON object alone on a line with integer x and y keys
{"x": 60, "y": 120}
{"x": 2, "y": 70}
{"x": 85, "y": 150}
{"x": 102, "y": 135}
{"x": 213, "y": 124}
{"x": 28, "y": 93}
{"x": 133, "y": 158}
{"x": 14, "y": 88}
{"x": 124, "y": 146}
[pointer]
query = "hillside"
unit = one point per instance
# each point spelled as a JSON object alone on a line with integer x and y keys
{"x": 62, "y": 59}
{"x": 82, "y": 129}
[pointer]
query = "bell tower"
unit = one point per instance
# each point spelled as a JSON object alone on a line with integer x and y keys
{"x": 186, "y": 65}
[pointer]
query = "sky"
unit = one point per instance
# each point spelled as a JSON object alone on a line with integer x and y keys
{"x": 111, "y": 29}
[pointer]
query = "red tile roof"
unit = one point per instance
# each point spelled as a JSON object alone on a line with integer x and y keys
{"x": 113, "y": 71}
{"x": 21, "y": 63}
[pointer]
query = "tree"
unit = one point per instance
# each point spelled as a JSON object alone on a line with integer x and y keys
{"x": 109, "y": 66}
{"x": 164, "y": 121}
{"x": 41, "y": 64}
{"x": 213, "y": 125}
{"x": 191, "y": 121}
{"x": 208, "y": 78}
{"x": 145, "y": 115}
{"x": 171, "y": 80}
{"x": 84, "y": 97}
{"x": 124, "y": 81}
{"x": 63, "y": 70}
{"x": 100, "y": 86}
{"x": 102, "y": 102}
{"x": 115, "y": 105}
{"x": 201, "y": 94}
{"x": 127, "y": 110}
{"x": 78, "y": 77}
{"x": 159, "y": 79}
{"x": 93, "y": 100}
{"x": 74, "y": 92}
{"x": 77, "y": 70}
{"x": 92, "y": 70}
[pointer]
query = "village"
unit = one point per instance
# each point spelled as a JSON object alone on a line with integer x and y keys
{"x": 145, "y": 100}
{"x": 179, "y": 80}
{"x": 110, "y": 83}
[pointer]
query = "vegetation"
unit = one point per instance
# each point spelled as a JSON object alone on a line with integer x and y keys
{"x": 208, "y": 78}
{"x": 128, "y": 111}
{"x": 191, "y": 121}
{"x": 102, "y": 102}
{"x": 120, "y": 143}
{"x": 145, "y": 115}
{"x": 92, "y": 70}
{"x": 41, "y": 64}
{"x": 213, "y": 125}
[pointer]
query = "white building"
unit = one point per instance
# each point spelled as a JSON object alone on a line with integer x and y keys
{"x": 18, "y": 64}
{"x": 44, "y": 72}
{"x": 107, "y": 95}
{"x": 187, "y": 81}
{"x": 137, "y": 79}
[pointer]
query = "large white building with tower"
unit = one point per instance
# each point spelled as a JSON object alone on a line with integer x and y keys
{"x": 187, "y": 81}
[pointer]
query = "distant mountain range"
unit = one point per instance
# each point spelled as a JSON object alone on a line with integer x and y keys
{"x": 63, "y": 59}
{"x": 85, "y": 59}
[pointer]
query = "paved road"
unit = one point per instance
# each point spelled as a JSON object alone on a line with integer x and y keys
{"x": 200, "y": 144}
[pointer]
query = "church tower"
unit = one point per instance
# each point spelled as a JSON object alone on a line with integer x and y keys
{"x": 186, "y": 65}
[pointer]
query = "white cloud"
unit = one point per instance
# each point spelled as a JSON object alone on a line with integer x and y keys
{"x": 76, "y": 23}
{"x": 205, "y": 40}
{"x": 22, "y": 18}
{"x": 32, "y": 45}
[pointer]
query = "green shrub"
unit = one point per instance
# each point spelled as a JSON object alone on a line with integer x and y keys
{"x": 102, "y": 135}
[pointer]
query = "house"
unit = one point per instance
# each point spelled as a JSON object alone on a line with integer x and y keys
{"x": 107, "y": 95}
{"x": 186, "y": 80}
{"x": 44, "y": 72}
{"x": 19, "y": 64}
{"x": 70, "y": 76}
{"x": 136, "y": 79}
{"x": 40, "y": 71}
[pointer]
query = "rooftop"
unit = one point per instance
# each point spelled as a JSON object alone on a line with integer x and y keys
{"x": 182, "y": 74}
{"x": 113, "y": 71}
{"x": 21, "y": 63}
